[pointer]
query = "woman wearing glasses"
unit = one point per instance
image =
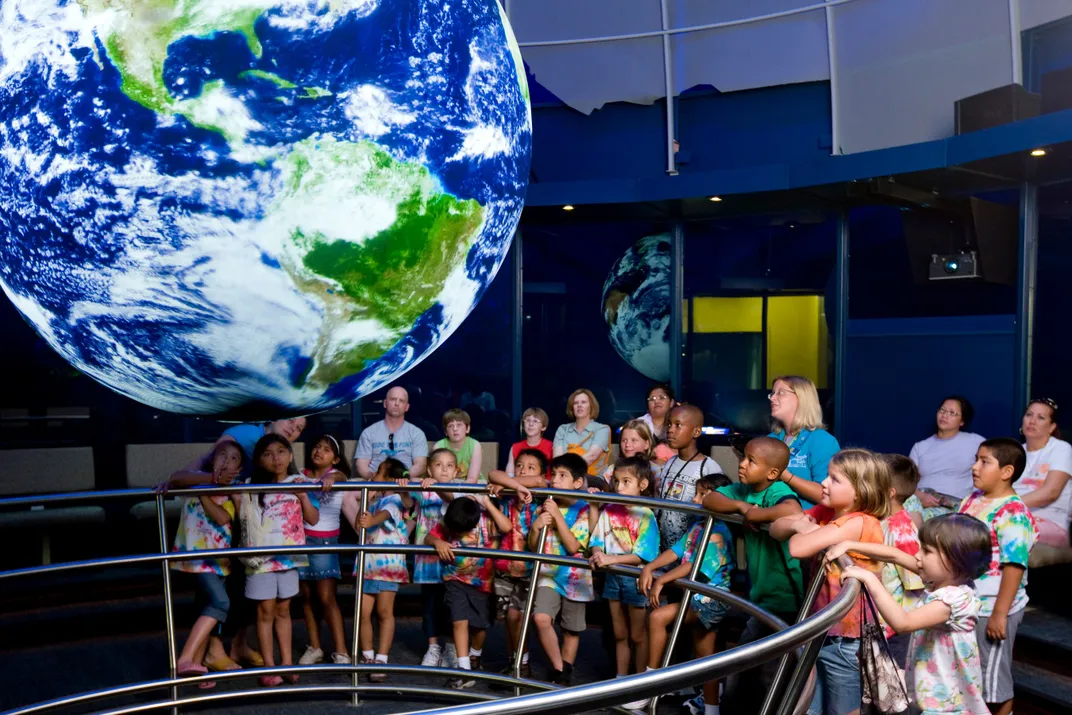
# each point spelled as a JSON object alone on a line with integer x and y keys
{"x": 660, "y": 402}
{"x": 797, "y": 420}
{"x": 1044, "y": 486}
{"x": 945, "y": 458}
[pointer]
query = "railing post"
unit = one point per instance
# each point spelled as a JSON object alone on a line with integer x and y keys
{"x": 780, "y": 677}
{"x": 169, "y": 615}
{"x": 527, "y": 615}
{"x": 359, "y": 592}
{"x": 697, "y": 559}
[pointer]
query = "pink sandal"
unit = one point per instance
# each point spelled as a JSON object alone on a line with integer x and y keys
{"x": 186, "y": 668}
{"x": 271, "y": 681}
{"x": 207, "y": 684}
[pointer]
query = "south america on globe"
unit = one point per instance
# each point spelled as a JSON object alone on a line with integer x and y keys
{"x": 636, "y": 306}
{"x": 256, "y": 208}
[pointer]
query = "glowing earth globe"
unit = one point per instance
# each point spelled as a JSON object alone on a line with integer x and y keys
{"x": 256, "y": 208}
{"x": 636, "y": 306}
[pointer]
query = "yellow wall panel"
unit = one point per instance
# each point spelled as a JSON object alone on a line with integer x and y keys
{"x": 727, "y": 315}
{"x": 796, "y": 337}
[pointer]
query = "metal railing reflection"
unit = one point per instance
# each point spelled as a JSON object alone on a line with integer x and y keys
{"x": 789, "y": 692}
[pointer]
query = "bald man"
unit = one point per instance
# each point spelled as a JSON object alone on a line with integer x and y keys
{"x": 392, "y": 437}
{"x": 677, "y": 480}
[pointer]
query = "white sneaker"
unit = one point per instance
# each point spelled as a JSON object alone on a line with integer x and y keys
{"x": 340, "y": 659}
{"x": 638, "y": 705}
{"x": 432, "y": 657}
{"x": 311, "y": 656}
{"x": 450, "y": 656}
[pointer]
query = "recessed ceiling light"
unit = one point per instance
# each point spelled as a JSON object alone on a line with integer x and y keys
{"x": 1038, "y": 152}
{"x": 567, "y": 207}
{"x": 716, "y": 199}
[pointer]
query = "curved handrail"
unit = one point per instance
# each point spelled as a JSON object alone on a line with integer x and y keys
{"x": 607, "y": 694}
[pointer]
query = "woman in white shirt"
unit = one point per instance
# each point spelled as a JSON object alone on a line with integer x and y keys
{"x": 945, "y": 458}
{"x": 1044, "y": 486}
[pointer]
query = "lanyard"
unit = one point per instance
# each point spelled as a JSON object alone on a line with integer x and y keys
{"x": 684, "y": 463}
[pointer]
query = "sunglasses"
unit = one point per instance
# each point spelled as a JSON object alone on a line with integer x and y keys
{"x": 391, "y": 443}
{"x": 1046, "y": 401}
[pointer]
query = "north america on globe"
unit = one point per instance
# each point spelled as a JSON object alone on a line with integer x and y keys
{"x": 636, "y": 306}
{"x": 255, "y": 208}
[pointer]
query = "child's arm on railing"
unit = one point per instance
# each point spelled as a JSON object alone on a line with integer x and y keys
{"x": 878, "y": 552}
{"x": 565, "y": 534}
{"x": 443, "y": 549}
{"x": 501, "y": 522}
{"x": 647, "y": 574}
{"x": 803, "y": 545}
{"x": 521, "y": 485}
{"x": 538, "y": 525}
{"x": 722, "y": 504}
{"x": 787, "y": 526}
{"x": 767, "y": 515}
{"x": 367, "y": 521}
{"x": 900, "y": 620}
{"x": 682, "y": 570}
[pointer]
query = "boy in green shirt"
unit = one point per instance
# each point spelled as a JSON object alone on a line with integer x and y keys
{"x": 777, "y": 583}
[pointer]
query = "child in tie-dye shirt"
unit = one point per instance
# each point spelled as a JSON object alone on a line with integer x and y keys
{"x": 467, "y": 579}
{"x": 384, "y": 523}
{"x": 627, "y": 535}
{"x": 704, "y": 613}
{"x": 563, "y": 590}
{"x": 900, "y": 532}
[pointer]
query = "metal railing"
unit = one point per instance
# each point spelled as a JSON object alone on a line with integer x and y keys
{"x": 789, "y": 694}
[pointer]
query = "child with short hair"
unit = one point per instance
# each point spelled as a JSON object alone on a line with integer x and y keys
{"x": 677, "y": 480}
{"x": 427, "y": 569}
{"x": 328, "y": 465}
{"x": 629, "y": 536}
{"x": 944, "y": 673}
{"x": 855, "y": 496}
{"x": 534, "y": 423}
{"x": 760, "y": 497}
{"x": 1002, "y": 589}
{"x": 205, "y": 524}
{"x": 467, "y": 451}
{"x": 563, "y": 591}
{"x": 467, "y": 579}
{"x": 511, "y": 575}
{"x": 899, "y": 530}
{"x": 384, "y": 523}
{"x": 704, "y": 613}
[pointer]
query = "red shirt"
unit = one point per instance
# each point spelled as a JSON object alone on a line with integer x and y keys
{"x": 546, "y": 446}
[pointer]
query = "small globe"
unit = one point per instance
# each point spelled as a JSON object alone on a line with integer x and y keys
{"x": 259, "y": 208}
{"x": 636, "y": 306}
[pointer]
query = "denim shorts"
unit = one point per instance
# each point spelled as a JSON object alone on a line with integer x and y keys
{"x": 372, "y": 587}
{"x": 709, "y": 610}
{"x": 837, "y": 691}
{"x": 212, "y": 596}
{"x": 623, "y": 588}
{"x": 321, "y": 566}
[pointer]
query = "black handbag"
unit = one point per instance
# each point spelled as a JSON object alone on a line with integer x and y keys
{"x": 882, "y": 684}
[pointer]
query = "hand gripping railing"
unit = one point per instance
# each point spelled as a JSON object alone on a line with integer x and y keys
{"x": 606, "y": 694}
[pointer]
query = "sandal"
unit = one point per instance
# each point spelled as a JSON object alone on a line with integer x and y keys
{"x": 271, "y": 681}
{"x": 186, "y": 668}
{"x": 207, "y": 684}
{"x": 253, "y": 659}
{"x": 221, "y": 664}
{"x": 292, "y": 678}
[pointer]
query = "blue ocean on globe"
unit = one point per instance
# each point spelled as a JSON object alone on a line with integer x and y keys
{"x": 636, "y": 306}
{"x": 256, "y": 208}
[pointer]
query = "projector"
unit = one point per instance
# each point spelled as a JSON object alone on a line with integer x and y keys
{"x": 954, "y": 265}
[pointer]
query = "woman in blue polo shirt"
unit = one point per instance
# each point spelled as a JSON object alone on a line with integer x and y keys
{"x": 798, "y": 421}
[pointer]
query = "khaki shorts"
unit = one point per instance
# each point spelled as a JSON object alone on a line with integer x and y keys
{"x": 510, "y": 593}
{"x": 570, "y": 613}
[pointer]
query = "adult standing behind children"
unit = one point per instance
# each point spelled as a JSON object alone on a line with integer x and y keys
{"x": 392, "y": 437}
{"x": 584, "y": 436}
{"x": 797, "y": 420}
{"x": 681, "y": 472}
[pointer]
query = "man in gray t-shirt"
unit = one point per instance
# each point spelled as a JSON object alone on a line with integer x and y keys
{"x": 392, "y": 437}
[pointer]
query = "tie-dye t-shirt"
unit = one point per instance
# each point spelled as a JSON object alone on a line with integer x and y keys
{"x": 387, "y": 567}
{"x": 945, "y": 674}
{"x": 198, "y": 532}
{"x": 718, "y": 559}
{"x": 430, "y": 509}
{"x": 1013, "y": 533}
{"x": 905, "y": 586}
{"x": 521, "y": 517}
{"x": 472, "y": 570}
{"x": 870, "y": 533}
{"x": 573, "y": 582}
{"x": 282, "y": 522}
{"x": 625, "y": 530}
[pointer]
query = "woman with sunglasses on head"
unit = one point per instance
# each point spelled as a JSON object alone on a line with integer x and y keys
{"x": 945, "y": 459}
{"x": 797, "y": 420}
{"x": 1044, "y": 486}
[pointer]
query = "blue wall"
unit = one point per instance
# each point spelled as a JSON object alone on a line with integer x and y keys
{"x": 900, "y": 369}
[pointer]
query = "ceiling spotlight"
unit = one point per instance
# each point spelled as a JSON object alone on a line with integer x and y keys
{"x": 1038, "y": 152}
{"x": 716, "y": 199}
{"x": 567, "y": 207}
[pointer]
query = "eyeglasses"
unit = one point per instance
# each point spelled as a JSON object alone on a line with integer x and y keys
{"x": 658, "y": 398}
{"x": 948, "y": 413}
{"x": 780, "y": 393}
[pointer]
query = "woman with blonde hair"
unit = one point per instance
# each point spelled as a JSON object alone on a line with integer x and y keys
{"x": 797, "y": 420}
{"x": 584, "y": 436}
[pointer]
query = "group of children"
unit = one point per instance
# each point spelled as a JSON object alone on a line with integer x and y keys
{"x": 950, "y": 594}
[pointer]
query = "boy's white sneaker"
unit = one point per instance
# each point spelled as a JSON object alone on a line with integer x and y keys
{"x": 450, "y": 656}
{"x": 432, "y": 657}
{"x": 311, "y": 656}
